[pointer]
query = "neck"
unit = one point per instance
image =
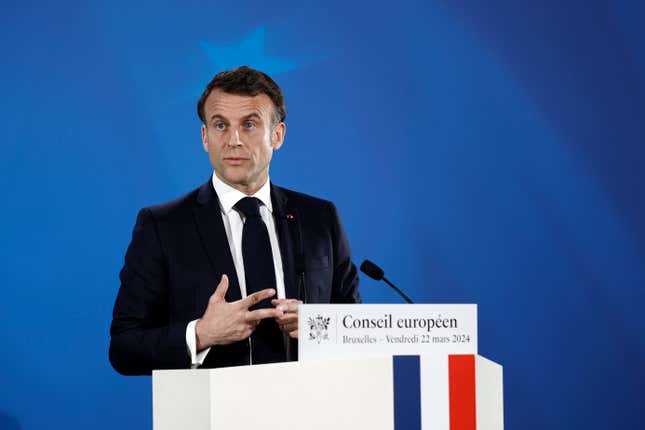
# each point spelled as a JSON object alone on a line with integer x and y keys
{"x": 247, "y": 188}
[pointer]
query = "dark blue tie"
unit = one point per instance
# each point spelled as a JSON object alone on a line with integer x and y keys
{"x": 267, "y": 342}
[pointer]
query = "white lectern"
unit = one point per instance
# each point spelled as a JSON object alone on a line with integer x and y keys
{"x": 447, "y": 392}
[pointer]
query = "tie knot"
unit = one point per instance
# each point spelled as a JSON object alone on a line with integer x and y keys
{"x": 249, "y": 206}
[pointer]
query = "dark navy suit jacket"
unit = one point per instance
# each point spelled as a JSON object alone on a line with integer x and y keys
{"x": 178, "y": 253}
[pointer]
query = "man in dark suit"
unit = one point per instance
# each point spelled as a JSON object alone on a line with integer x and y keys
{"x": 201, "y": 270}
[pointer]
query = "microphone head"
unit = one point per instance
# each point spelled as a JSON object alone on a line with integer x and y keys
{"x": 372, "y": 270}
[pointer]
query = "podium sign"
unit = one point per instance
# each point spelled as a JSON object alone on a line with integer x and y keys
{"x": 360, "y": 330}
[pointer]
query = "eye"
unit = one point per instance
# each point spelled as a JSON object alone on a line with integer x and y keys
{"x": 249, "y": 124}
{"x": 220, "y": 126}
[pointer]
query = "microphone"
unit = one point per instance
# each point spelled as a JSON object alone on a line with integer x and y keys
{"x": 376, "y": 273}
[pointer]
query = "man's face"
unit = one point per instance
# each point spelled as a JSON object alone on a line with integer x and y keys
{"x": 240, "y": 138}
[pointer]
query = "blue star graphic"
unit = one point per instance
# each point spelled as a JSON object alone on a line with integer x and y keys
{"x": 249, "y": 52}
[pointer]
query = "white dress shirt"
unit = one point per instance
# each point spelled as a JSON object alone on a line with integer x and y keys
{"x": 233, "y": 224}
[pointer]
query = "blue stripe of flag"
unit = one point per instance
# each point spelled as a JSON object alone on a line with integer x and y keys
{"x": 407, "y": 392}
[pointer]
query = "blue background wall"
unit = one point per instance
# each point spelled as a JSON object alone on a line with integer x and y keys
{"x": 486, "y": 152}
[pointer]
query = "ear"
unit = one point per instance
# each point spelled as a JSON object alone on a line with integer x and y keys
{"x": 204, "y": 137}
{"x": 277, "y": 135}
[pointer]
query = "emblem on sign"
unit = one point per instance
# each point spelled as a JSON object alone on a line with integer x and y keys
{"x": 318, "y": 328}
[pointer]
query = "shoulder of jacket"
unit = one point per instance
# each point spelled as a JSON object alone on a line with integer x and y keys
{"x": 176, "y": 207}
{"x": 302, "y": 199}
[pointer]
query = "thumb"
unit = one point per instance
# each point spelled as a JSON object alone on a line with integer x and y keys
{"x": 220, "y": 292}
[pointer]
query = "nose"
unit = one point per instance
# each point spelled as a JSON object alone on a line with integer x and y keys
{"x": 234, "y": 139}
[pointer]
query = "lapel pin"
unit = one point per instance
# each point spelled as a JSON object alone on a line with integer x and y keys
{"x": 290, "y": 216}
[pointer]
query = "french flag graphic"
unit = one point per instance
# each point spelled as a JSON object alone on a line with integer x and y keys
{"x": 447, "y": 392}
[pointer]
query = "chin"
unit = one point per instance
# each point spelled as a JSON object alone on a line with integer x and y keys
{"x": 235, "y": 180}
{"x": 231, "y": 176}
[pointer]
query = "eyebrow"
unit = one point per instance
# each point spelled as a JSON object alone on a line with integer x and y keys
{"x": 217, "y": 116}
{"x": 252, "y": 115}
{"x": 246, "y": 117}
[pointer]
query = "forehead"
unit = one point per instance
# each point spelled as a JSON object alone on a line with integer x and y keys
{"x": 234, "y": 106}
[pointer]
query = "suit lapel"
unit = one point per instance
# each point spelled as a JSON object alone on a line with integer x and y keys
{"x": 208, "y": 217}
{"x": 287, "y": 225}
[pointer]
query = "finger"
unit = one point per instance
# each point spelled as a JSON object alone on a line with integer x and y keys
{"x": 220, "y": 292}
{"x": 286, "y": 305}
{"x": 294, "y": 334}
{"x": 287, "y": 318}
{"x": 291, "y": 306}
{"x": 284, "y": 301}
{"x": 260, "y": 314}
{"x": 256, "y": 298}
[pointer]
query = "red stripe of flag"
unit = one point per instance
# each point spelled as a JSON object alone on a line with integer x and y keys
{"x": 461, "y": 381}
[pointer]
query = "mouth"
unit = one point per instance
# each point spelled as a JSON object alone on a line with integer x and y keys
{"x": 235, "y": 161}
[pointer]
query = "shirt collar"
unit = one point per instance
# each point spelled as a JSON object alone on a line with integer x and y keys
{"x": 229, "y": 196}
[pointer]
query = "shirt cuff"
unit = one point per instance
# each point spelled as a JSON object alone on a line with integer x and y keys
{"x": 196, "y": 358}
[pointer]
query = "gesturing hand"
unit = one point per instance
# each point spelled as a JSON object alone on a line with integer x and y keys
{"x": 224, "y": 323}
{"x": 288, "y": 322}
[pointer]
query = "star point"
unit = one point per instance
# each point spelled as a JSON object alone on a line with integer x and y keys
{"x": 250, "y": 51}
